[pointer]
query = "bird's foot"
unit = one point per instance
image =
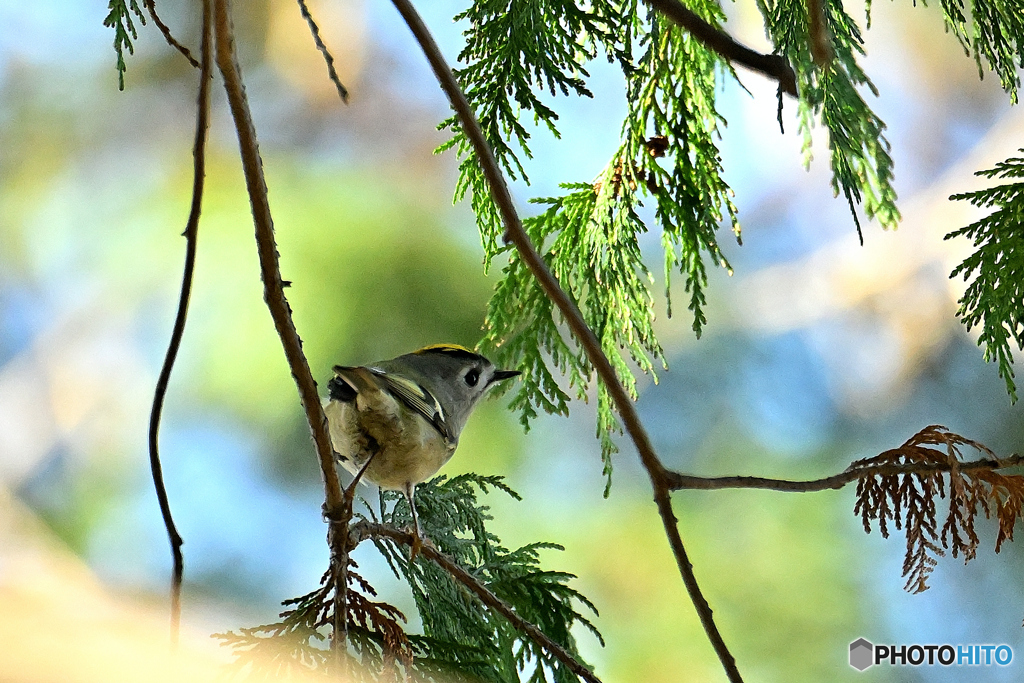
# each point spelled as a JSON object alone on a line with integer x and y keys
{"x": 418, "y": 543}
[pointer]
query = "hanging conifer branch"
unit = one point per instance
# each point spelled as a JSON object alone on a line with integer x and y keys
{"x": 270, "y": 266}
{"x": 995, "y": 271}
{"x": 773, "y": 66}
{"x": 366, "y": 530}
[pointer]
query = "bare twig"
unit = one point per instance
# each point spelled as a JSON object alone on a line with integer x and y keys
{"x": 328, "y": 57}
{"x": 363, "y": 530}
{"x": 270, "y": 269}
{"x": 773, "y": 66}
{"x": 574, "y": 319}
{"x": 191, "y": 236}
{"x": 837, "y": 481}
{"x": 164, "y": 29}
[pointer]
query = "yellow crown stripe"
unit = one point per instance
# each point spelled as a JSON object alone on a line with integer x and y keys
{"x": 443, "y": 348}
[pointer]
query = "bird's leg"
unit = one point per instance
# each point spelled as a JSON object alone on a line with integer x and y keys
{"x": 417, "y": 540}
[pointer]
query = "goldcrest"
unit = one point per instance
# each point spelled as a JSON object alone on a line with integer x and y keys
{"x": 398, "y": 421}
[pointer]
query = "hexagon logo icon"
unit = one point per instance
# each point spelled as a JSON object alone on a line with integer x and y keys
{"x": 862, "y": 654}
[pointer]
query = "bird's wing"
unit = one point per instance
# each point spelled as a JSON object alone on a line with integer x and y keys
{"x": 349, "y": 381}
{"x": 416, "y": 398}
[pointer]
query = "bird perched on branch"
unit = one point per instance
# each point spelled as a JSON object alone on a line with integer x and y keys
{"x": 398, "y": 421}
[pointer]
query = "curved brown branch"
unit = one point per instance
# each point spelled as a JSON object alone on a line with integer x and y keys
{"x": 363, "y": 530}
{"x": 191, "y": 237}
{"x": 678, "y": 481}
{"x": 270, "y": 271}
{"x": 165, "y": 29}
{"x": 574, "y": 319}
{"x": 773, "y": 66}
{"x": 328, "y": 57}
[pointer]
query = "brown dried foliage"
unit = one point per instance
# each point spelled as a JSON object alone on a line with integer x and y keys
{"x": 380, "y": 619}
{"x": 656, "y": 147}
{"x": 908, "y": 499}
{"x": 289, "y": 645}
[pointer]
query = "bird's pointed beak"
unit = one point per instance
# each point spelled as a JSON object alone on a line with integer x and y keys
{"x": 500, "y": 375}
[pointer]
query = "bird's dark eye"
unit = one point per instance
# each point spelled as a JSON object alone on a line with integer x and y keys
{"x": 472, "y": 377}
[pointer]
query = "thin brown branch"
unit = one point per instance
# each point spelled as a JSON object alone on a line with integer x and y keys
{"x": 340, "y": 543}
{"x": 837, "y": 481}
{"x": 773, "y": 66}
{"x": 328, "y": 57}
{"x": 165, "y": 29}
{"x": 191, "y": 235}
{"x": 363, "y": 530}
{"x": 821, "y": 45}
{"x": 270, "y": 267}
{"x": 574, "y": 319}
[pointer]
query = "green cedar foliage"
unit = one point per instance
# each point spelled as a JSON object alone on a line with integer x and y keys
{"x": 601, "y": 268}
{"x": 667, "y": 158}
{"x": 455, "y": 622}
{"x": 461, "y": 639}
{"x": 514, "y": 52}
{"x": 858, "y": 151}
{"x": 995, "y": 298}
{"x": 119, "y": 18}
{"x": 995, "y": 34}
{"x": 517, "y": 51}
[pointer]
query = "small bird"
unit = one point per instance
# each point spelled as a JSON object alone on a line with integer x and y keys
{"x": 399, "y": 420}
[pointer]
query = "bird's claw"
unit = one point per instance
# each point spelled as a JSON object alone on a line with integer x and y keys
{"x": 417, "y": 545}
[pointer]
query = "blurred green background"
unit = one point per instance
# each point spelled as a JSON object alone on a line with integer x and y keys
{"x": 818, "y": 352}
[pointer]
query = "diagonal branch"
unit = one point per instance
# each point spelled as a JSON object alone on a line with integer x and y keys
{"x": 191, "y": 236}
{"x": 773, "y": 66}
{"x": 363, "y": 530}
{"x": 273, "y": 285}
{"x": 574, "y": 319}
{"x": 270, "y": 267}
{"x": 678, "y": 481}
{"x": 165, "y": 29}
{"x": 332, "y": 73}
